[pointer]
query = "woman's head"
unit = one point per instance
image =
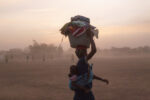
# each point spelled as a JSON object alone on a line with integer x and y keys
{"x": 81, "y": 51}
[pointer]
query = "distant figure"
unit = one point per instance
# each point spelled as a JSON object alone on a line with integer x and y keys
{"x": 27, "y": 58}
{"x": 1, "y": 58}
{"x": 6, "y": 59}
{"x": 43, "y": 59}
{"x": 11, "y": 56}
{"x": 51, "y": 57}
{"x": 32, "y": 57}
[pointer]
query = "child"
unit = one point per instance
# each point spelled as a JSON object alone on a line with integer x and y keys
{"x": 78, "y": 80}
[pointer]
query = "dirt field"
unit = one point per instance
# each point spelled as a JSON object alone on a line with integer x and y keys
{"x": 129, "y": 79}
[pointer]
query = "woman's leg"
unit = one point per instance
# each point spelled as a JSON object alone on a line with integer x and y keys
{"x": 89, "y": 96}
{"x": 76, "y": 96}
{"x": 84, "y": 96}
{"x": 92, "y": 96}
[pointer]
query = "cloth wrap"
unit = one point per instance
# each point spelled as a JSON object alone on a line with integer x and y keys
{"x": 82, "y": 80}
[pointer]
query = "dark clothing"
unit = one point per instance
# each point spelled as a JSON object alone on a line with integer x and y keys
{"x": 83, "y": 96}
{"x": 82, "y": 67}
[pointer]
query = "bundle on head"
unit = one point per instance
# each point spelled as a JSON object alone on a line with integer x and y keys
{"x": 76, "y": 21}
{"x": 65, "y": 30}
{"x": 79, "y": 31}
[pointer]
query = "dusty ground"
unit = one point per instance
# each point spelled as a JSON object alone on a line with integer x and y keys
{"x": 129, "y": 79}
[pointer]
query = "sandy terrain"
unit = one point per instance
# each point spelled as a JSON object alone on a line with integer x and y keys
{"x": 129, "y": 79}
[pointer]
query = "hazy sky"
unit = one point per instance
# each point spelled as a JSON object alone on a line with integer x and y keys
{"x": 121, "y": 22}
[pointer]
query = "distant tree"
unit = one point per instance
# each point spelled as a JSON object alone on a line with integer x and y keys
{"x": 40, "y": 49}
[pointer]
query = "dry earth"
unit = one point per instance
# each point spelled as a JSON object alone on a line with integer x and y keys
{"x": 129, "y": 79}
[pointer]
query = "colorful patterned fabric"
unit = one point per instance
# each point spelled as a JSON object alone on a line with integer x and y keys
{"x": 73, "y": 78}
{"x": 78, "y": 28}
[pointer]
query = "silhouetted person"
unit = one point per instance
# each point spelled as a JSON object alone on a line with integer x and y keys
{"x": 43, "y": 59}
{"x": 32, "y": 57}
{"x": 83, "y": 68}
{"x": 51, "y": 57}
{"x": 6, "y": 59}
{"x": 12, "y": 56}
{"x": 27, "y": 58}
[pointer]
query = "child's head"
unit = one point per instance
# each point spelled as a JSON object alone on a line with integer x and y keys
{"x": 81, "y": 52}
{"x": 73, "y": 70}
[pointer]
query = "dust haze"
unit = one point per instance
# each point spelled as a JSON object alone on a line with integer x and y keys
{"x": 40, "y": 72}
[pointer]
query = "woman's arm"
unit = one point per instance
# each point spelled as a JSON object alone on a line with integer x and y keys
{"x": 93, "y": 48}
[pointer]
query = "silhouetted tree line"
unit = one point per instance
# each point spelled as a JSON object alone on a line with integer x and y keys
{"x": 36, "y": 51}
{"x": 145, "y": 50}
{"x": 40, "y": 50}
{"x": 43, "y": 52}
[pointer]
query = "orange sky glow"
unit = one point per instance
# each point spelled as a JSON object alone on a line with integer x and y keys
{"x": 121, "y": 22}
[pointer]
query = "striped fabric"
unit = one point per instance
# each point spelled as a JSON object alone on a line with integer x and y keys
{"x": 77, "y": 31}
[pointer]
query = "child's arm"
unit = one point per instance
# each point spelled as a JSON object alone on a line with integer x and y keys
{"x": 80, "y": 87}
{"x": 101, "y": 79}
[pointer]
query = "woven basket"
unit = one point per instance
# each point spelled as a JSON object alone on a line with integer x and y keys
{"x": 83, "y": 40}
